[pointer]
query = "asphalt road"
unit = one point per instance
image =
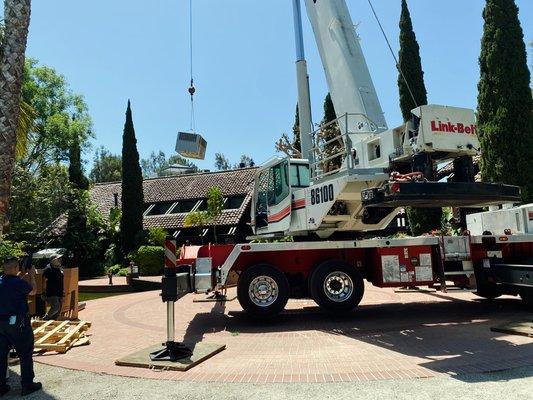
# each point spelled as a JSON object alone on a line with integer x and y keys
{"x": 66, "y": 384}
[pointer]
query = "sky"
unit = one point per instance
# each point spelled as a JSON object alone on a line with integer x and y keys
{"x": 244, "y": 64}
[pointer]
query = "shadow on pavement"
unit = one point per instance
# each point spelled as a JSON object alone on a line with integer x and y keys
{"x": 14, "y": 382}
{"x": 450, "y": 337}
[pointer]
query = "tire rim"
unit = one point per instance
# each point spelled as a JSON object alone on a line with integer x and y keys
{"x": 263, "y": 291}
{"x": 338, "y": 286}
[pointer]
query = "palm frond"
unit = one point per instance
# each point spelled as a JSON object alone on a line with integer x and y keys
{"x": 24, "y": 127}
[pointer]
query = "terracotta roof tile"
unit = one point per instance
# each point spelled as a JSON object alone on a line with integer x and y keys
{"x": 183, "y": 187}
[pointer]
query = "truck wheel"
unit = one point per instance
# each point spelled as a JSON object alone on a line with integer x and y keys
{"x": 263, "y": 291}
{"x": 336, "y": 286}
{"x": 485, "y": 289}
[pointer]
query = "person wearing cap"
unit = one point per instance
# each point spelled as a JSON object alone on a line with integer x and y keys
{"x": 53, "y": 287}
{"x": 15, "y": 324}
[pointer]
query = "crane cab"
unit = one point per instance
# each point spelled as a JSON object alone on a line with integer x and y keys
{"x": 191, "y": 145}
{"x": 276, "y": 185}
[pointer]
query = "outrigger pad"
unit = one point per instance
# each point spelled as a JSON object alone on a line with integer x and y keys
{"x": 200, "y": 353}
{"x": 440, "y": 194}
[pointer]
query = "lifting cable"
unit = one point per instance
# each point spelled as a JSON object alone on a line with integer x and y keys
{"x": 393, "y": 55}
{"x": 191, "y": 89}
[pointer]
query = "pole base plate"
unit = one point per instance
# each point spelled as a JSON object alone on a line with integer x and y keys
{"x": 173, "y": 351}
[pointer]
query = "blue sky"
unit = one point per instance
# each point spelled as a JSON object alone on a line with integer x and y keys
{"x": 244, "y": 64}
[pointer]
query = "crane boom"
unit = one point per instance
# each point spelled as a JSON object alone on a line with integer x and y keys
{"x": 347, "y": 74}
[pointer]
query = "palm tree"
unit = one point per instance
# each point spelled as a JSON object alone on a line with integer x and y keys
{"x": 12, "y": 57}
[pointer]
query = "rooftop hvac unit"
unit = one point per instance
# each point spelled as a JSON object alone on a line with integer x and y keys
{"x": 191, "y": 145}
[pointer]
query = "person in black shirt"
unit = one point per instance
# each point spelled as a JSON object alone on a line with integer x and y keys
{"x": 53, "y": 287}
{"x": 15, "y": 324}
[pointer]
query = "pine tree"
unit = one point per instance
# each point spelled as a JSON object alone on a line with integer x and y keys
{"x": 131, "y": 224}
{"x": 504, "y": 101}
{"x": 411, "y": 84}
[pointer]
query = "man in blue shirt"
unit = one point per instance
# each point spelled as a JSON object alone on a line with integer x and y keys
{"x": 15, "y": 324}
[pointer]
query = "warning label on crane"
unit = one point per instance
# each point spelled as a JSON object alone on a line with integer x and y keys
{"x": 391, "y": 268}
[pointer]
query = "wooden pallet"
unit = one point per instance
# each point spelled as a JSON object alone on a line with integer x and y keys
{"x": 59, "y": 335}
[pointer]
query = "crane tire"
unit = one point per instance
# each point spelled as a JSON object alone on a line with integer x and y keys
{"x": 336, "y": 286}
{"x": 263, "y": 291}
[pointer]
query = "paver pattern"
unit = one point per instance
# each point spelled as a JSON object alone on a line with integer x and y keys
{"x": 390, "y": 336}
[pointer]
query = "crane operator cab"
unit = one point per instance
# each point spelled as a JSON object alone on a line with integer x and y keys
{"x": 279, "y": 189}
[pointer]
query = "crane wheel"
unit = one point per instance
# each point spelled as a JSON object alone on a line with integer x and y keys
{"x": 263, "y": 291}
{"x": 336, "y": 286}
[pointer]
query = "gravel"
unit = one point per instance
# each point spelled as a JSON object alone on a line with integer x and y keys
{"x": 67, "y": 384}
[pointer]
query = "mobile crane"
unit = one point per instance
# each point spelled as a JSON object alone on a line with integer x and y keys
{"x": 376, "y": 171}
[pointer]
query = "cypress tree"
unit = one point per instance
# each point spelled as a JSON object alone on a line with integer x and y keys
{"x": 296, "y": 131}
{"x": 330, "y": 132}
{"x": 79, "y": 239}
{"x": 131, "y": 224}
{"x": 410, "y": 64}
{"x": 75, "y": 170}
{"x": 329, "y": 110}
{"x": 504, "y": 100}
{"x": 411, "y": 84}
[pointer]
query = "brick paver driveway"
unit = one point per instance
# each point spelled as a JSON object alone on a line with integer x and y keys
{"x": 391, "y": 335}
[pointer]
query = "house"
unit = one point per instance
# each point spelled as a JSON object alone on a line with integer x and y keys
{"x": 169, "y": 199}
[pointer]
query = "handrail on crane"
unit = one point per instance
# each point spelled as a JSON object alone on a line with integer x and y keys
{"x": 321, "y": 167}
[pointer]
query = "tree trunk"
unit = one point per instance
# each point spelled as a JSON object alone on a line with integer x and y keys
{"x": 12, "y": 56}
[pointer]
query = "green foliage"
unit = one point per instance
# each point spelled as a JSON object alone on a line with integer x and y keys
{"x": 245, "y": 162}
{"x": 296, "y": 143}
{"x": 150, "y": 260}
{"x": 196, "y": 218}
{"x": 83, "y": 235}
{"x": 9, "y": 248}
{"x": 330, "y": 132}
{"x": 117, "y": 270}
{"x": 60, "y": 117}
{"x": 221, "y": 162}
{"x": 132, "y": 187}
{"x": 410, "y": 64}
{"x": 75, "y": 169}
{"x": 421, "y": 220}
{"x": 424, "y": 220}
{"x": 157, "y": 164}
{"x": 157, "y": 236}
{"x": 215, "y": 205}
{"x": 107, "y": 167}
{"x": 504, "y": 101}
{"x": 292, "y": 147}
{"x": 37, "y": 200}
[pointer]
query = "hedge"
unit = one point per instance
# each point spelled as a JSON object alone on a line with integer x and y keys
{"x": 150, "y": 260}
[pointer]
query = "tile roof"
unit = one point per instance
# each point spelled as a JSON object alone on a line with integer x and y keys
{"x": 183, "y": 187}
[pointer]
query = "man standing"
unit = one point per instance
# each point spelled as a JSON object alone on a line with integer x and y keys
{"x": 15, "y": 324}
{"x": 53, "y": 287}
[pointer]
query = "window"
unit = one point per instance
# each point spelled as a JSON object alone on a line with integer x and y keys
{"x": 184, "y": 206}
{"x": 300, "y": 175}
{"x": 202, "y": 206}
{"x": 233, "y": 203}
{"x": 159, "y": 208}
{"x": 278, "y": 187}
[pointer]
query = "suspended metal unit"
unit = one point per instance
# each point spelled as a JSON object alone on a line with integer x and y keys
{"x": 191, "y": 145}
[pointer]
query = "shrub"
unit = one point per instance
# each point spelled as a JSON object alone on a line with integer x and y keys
{"x": 157, "y": 236}
{"x": 150, "y": 260}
